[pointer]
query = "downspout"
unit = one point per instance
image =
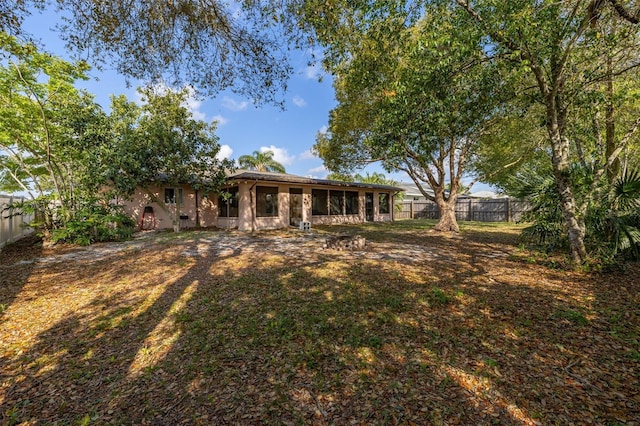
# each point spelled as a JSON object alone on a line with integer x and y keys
{"x": 197, "y": 212}
{"x": 253, "y": 210}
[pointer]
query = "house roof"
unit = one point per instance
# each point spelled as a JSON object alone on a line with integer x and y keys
{"x": 288, "y": 178}
{"x": 486, "y": 194}
{"x": 411, "y": 190}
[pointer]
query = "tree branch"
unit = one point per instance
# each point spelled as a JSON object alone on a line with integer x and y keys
{"x": 624, "y": 13}
{"x": 19, "y": 182}
{"x": 45, "y": 124}
{"x": 496, "y": 171}
{"x": 26, "y": 169}
{"x": 610, "y": 160}
{"x": 418, "y": 183}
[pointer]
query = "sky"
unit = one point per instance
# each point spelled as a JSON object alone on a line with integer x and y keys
{"x": 241, "y": 126}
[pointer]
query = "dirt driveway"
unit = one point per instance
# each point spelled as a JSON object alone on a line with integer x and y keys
{"x": 217, "y": 243}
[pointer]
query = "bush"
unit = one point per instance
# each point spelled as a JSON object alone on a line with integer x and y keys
{"x": 612, "y": 219}
{"x": 95, "y": 224}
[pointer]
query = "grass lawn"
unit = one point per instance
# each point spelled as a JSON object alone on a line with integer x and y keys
{"x": 217, "y": 327}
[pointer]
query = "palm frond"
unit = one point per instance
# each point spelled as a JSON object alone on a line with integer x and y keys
{"x": 627, "y": 190}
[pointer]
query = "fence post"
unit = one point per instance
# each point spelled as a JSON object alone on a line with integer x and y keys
{"x": 1, "y": 222}
{"x": 411, "y": 210}
{"x": 10, "y": 220}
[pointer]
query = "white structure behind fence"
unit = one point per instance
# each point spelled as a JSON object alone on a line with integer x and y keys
{"x": 12, "y": 225}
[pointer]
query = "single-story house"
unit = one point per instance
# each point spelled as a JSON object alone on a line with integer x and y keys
{"x": 261, "y": 200}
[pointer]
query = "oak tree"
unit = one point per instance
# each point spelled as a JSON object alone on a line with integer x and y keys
{"x": 416, "y": 98}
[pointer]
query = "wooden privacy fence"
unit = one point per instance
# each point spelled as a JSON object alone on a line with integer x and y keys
{"x": 12, "y": 225}
{"x": 469, "y": 209}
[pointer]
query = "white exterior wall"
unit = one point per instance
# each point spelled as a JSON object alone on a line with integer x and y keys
{"x": 12, "y": 227}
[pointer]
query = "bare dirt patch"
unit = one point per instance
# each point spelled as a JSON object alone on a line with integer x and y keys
{"x": 223, "y": 327}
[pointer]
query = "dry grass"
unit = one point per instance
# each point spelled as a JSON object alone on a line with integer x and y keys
{"x": 213, "y": 327}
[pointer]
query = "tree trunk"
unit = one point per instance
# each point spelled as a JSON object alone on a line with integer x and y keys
{"x": 447, "y": 208}
{"x": 561, "y": 171}
{"x": 575, "y": 227}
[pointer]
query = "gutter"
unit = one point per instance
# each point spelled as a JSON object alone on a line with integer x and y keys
{"x": 197, "y": 211}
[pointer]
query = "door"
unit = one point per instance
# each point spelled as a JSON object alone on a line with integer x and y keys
{"x": 368, "y": 206}
{"x": 295, "y": 206}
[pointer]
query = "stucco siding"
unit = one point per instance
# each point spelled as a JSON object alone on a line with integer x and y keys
{"x": 208, "y": 210}
{"x": 245, "y": 208}
{"x": 249, "y": 218}
{"x": 335, "y": 219}
{"x": 163, "y": 213}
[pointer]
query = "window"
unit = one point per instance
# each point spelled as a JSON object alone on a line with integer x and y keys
{"x": 266, "y": 201}
{"x": 228, "y": 207}
{"x": 351, "y": 202}
{"x": 336, "y": 202}
{"x": 319, "y": 202}
{"x": 383, "y": 202}
{"x": 170, "y": 195}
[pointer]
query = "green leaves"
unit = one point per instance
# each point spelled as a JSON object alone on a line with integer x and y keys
{"x": 40, "y": 111}
{"x": 627, "y": 189}
{"x": 408, "y": 89}
{"x": 160, "y": 139}
{"x": 261, "y": 161}
{"x": 56, "y": 143}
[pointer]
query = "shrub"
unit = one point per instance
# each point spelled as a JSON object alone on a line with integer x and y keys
{"x": 95, "y": 223}
{"x": 612, "y": 218}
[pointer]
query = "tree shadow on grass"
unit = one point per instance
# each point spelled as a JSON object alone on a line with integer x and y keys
{"x": 242, "y": 336}
{"x": 17, "y": 260}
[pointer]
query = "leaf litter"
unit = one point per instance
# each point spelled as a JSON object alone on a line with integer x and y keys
{"x": 224, "y": 327}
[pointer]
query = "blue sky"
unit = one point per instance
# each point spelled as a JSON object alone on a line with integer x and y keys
{"x": 242, "y": 127}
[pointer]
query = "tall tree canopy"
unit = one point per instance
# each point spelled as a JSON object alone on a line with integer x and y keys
{"x": 569, "y": 56}
{"x": 417, "y": 98}
{"x": 57, "y": 144}
{"x": 210, "y": 44}
{"x": 568, "y": 49}
{"x": 48, "y": 128}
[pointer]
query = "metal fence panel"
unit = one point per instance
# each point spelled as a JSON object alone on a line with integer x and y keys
{"x": 12, "y": 226}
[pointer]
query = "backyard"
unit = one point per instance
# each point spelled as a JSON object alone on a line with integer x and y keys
{"x": 222, "y": 327}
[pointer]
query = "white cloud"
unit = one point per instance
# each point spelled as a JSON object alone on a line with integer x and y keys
{"x": 313, "y": 72}
{"x": 279, "y": 154}
{"x": 307, "y": 155}
{"x": 234, "y": 105}
{"x": 314, "y": 69}
{"x": 299, "y": 102}
{"x": 137, "y": 97}
{"x": 193, "y": 104}
{"x": 318, "y": 169}
{"x": 220, "y": 120}
{"x": 324, "y": 129}
{"x": 225, "y": 152}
